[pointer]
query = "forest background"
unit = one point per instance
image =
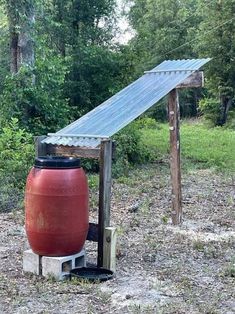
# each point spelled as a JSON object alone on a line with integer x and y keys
{"x": 60, "y": 59}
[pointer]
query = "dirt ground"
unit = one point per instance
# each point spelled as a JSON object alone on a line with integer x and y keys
{"x": 160, "y": 268}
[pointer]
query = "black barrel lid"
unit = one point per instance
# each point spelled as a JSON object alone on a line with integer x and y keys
{"x": 55, "y": 162}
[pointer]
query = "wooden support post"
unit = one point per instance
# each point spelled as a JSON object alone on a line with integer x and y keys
{"x": 173, "y": 111}
{"x": 109, "y": 251}
{"x": 104, "y": 195}
{"x": 40, "y": 149}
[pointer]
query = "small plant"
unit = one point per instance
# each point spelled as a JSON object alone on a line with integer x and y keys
{"x": 104, "y": 296}
{"x": 136, "y": 308}
{"x": 198, "y": 245}
{"x": 145, "y": 207}
{"x": 93, "y": 181}
{"x": 229, "y": 270}
{"x": 83, "y": 283}
{"x": 135, "y": 222}
{"x": 165, "y": 219}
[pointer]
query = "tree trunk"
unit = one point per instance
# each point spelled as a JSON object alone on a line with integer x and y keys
{"x": 14, "y": 52}
{"x": 21, "y": 22}
{"x": 25, "y": 43}
{"x": 225, "y": 106}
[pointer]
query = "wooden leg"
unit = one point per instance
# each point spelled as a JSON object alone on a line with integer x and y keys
{"x": 104, "y": 195}
{"x": 109, "y": 251}
{"x": 173, "y": 109}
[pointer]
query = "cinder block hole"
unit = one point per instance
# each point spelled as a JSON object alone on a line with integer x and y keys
{"x": 79, "y": 261}
{"x": 66, "y": 266}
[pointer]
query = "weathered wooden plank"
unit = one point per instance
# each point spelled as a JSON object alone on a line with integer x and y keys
{"x": 173, "y": 110}
{"x": 110, "y": 240}
{"x": 194, "y": 80}
{"x": 92, "y": 232}
{"x": 104, "y": 194}
{"x": 81, "y": 152}
{"x": 40, "y": 148}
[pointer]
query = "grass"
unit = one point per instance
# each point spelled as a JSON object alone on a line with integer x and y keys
{"x": 208, "y": 147}
{"x": 201, "y": 147}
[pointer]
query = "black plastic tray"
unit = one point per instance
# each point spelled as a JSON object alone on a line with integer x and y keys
{"x": 91, "y": 273}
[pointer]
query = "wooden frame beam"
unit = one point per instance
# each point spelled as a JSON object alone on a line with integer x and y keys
{"x": 174, "y": 115}
{"x": 194, "y": 80}
{"x": 73, "y": 151}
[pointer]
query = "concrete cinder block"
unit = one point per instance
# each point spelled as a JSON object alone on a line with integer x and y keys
{"x": 31, "y": 262}
{"x": 59, "y": 267}
{"x": 47, "y": 266}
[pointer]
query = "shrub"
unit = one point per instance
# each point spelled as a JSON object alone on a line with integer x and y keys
{"x": 147, "y": 123}
{"x": 130, "y": 149}
{"x": 16, "y": 157}
{"x": 210, "y": 108}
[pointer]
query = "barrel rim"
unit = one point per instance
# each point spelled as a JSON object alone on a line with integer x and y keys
{"x": 57, "y": 162}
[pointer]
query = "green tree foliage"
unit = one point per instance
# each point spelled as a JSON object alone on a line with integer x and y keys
{"x": 81, "y": 32}
{"x": 162, "y": 26}
{"x": 39, "y": 107}
{"x": 163, "y": 29}
{"x": 216, "y": 38}
{"x": 77, "y": 66}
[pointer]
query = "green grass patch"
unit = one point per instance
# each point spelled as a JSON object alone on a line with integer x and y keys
{"x": 205, "y": 147}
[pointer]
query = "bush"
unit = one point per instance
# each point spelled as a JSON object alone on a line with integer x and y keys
{"x": 130, "y": 149}
{"x": 210, "y": 108}
{"x": 147, "y": 123}
{"x": 16, "y": 157}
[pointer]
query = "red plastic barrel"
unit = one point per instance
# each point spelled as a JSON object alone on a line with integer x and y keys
{"x": 56, "y": 206}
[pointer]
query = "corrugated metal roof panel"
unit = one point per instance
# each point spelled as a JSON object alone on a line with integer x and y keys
{"x": 125, "y": 106}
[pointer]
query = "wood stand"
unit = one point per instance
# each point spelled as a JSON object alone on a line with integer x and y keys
{"x": 101, "y": 232}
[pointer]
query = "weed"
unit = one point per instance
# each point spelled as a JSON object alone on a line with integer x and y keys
{"x": 145, "y": 207}
{"x": 198, "y": 245}
{"x": 229, "y": 270}
{"x": 151, "y": 242}
{"x": 104, "y": 296}
{"x": 211, "y": 251}
{"x": 125, "y": 180}
{"x": 93, "y": 201}
{"x": 83, "y": 283}
{"x": 93, "y": 181}
{"x": 165, "y": 219}
{"x": 121, "y": 230}
{"x": 51, "y": 278}
{"x": 135, "y": 222}
{"x": 142, "y": 309}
